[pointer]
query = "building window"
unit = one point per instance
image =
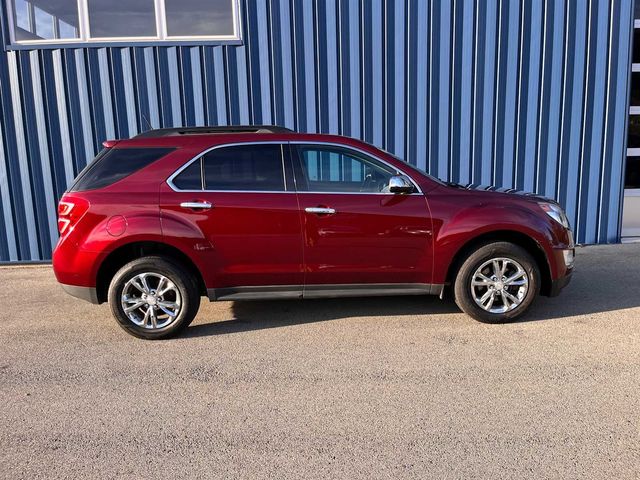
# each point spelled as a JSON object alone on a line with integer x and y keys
{"x": 46, "y": 22}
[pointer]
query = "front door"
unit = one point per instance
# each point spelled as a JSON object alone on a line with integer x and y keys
{"x": 239, "y": 214}
{"x": 355, "y": 231}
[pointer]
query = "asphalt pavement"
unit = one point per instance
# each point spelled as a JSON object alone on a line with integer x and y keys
{"x": 404, "y": 387}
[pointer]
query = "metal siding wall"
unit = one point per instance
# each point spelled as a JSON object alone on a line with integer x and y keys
{"x": 530, "y": 94}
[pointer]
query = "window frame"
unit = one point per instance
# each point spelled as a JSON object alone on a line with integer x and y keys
{"x": 286, "y": 188}
{"x": 85, "y": 40}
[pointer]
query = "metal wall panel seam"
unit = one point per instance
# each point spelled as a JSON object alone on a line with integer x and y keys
{"x": 152, "y": 87}
{"x": 61, "y": 93}
{"x": 221, "y": 96}
{"x": 264, "y": 70}
{"x": 43, "y": 147}
{"x": 105, "y": 87}
{"x": 422, "y": 85}
{"x": 597, "y": 120}
{"x": 331, "y": 67}
{"x": 443, "y": 106}
{"x": 7, "y": 206}
{"x": 196, "y": 85}
{"x": 490, "y": 77}
{"x": 85, "y": 113}
{"x": 288, "y": 92}
{"x": 127, "y": 78}
{"x": 466, "y": 84}
{"x": 174, "y": 87}
{"x": 533, "y": 91}
{"x": 556, "y": 95}
{"x": 23, "y": 163}
{"x": 354, "y": 69}
{"x": 511, "y": 95}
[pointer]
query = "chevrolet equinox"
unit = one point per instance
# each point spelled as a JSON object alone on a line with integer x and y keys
{"x": 155, "y": 222}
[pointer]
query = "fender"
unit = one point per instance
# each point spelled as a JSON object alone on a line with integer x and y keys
{"x": 452, "y": 233}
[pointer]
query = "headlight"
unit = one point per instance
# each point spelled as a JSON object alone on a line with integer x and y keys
{"x": 555, "y": 212}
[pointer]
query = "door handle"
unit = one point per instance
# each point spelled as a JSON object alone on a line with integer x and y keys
{"x": 320, "y": 210}
{"x": 196, "y": 205}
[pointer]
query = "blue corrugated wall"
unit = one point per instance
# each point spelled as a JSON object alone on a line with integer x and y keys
{"x": 525, "y": 94}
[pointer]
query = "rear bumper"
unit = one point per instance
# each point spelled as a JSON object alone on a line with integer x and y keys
{"x": 559, "y": 283}
{"x": 88, "y": 294}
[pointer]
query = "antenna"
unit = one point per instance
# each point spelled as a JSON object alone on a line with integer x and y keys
{"x": 144, "y": 117}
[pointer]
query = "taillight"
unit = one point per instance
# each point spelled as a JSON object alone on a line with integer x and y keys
{"x": 70, "y": 210}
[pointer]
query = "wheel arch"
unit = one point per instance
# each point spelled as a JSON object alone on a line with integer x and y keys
{"x": 512, "y": 236}
{"x": 131, "y": 251}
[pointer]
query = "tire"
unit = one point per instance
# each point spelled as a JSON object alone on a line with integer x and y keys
{"x": 178, "y": 293}
{"x": 470, "y": 283}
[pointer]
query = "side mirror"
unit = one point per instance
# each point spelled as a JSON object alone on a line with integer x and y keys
{"x": 400, "y": 184}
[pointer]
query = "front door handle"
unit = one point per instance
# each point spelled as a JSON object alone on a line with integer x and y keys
{"x": 196, "y": 205}
{"x": 320, "y": 210}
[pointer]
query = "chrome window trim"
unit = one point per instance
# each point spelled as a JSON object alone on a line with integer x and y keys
{"x": 282, "y": 143}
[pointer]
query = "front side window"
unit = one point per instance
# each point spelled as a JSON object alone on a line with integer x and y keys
{"x": 329, "y": 169}
{"x": 37, "y": 22}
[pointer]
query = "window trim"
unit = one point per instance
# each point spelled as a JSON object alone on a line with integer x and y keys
{"x": 282, "y": 143}
{"x": 169, "y": 181}
{"x": 85, "y": 40}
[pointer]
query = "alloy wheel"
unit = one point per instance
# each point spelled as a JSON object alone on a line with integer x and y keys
{"x": 151, "y": 300}
{"x": 499, "y": 285}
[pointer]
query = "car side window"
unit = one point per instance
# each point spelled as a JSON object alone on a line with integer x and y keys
{"x": 335, "y": 169}
{"x": 256, "y": 167}
{"x": 191, "y": 177}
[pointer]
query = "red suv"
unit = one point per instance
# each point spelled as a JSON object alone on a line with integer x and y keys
{"x": 242, "y": 213}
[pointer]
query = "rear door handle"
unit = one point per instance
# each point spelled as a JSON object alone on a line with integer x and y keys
{"x": 320, "y": 210}
{"x": 196, "y": 205}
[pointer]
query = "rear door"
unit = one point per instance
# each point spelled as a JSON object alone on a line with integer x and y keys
{"x": 244, "y": 210}
{"x": 355, "y": 231}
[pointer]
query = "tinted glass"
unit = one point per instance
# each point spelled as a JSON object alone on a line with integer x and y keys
{"x": 636, "y": 45}
{"x": 122, "y": 18}
{"x": 244, "y": 167}
{"x": 199, "y": 17}
{"x": 632, "y": 174}
{"x": 190, "y": 178}
{"x": 635, "y": 89}
{"x": 340, "y": 170}
{"x": 115, "y": 164}
{"x": 633, "y": 140}
{"x": 50, "y": 20}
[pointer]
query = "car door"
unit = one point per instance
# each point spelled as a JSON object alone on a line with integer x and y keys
{"x": 245, "y": 219}
{"x": 355, "y": 231}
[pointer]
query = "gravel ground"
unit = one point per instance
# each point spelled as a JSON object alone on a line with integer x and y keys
{"x": 404, "y": 387}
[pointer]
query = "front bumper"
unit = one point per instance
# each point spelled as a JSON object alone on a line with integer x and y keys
{"x": 559, "y": 283}
{"x": 88, "y": 294}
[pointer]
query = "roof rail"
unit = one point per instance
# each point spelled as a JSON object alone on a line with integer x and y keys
{"x": 166, "y": 132}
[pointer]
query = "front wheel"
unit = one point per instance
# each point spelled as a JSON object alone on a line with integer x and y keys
{"x": 153, "y": 297}
{"x": 497, "y": 282}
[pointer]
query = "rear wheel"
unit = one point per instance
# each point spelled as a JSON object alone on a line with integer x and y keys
{"x": 497, "y": 282}
{"x": 153, "y": 297}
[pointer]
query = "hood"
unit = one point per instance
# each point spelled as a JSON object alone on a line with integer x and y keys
{"x": 476, "y": 187}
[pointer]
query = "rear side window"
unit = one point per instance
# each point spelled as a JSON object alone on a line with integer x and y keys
{"x": 190, "y": 178}
{"x": 244, "y": 167}
{"x": 114, "y": 164}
